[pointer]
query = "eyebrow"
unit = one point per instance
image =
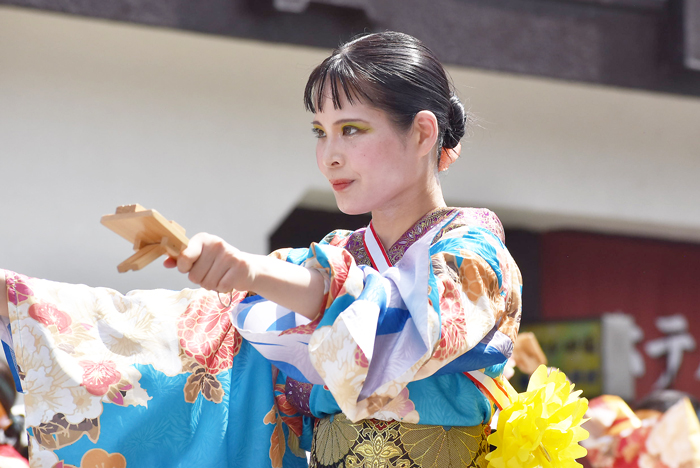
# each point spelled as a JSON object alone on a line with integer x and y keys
{"x": 340, "y": 122}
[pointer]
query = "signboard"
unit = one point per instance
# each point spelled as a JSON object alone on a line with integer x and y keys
{"x": 575, "y": 348}
{"x": 644, "y": 293}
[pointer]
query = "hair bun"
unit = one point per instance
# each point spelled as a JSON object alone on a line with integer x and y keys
{"x": 456, "y": 125}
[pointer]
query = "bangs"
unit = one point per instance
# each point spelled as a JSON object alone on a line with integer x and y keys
{"x": 337, "y": 73}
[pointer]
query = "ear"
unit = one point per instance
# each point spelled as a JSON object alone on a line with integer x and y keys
{"x": 425, "y": 131}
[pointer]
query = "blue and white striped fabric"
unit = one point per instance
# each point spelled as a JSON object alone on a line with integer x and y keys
{"x": 384, "y": 331}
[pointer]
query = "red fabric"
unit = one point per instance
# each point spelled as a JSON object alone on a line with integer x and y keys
{"x": 585, "y": 275}
{"x": 7, "y": 451}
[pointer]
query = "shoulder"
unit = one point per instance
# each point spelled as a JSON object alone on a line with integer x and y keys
{"x": 473, "y": 238}
{"x": 473, "y": 217}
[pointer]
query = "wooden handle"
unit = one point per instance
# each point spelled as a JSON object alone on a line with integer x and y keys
{"x": 148, "y": 231}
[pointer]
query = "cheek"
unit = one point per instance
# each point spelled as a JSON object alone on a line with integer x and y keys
{"x": 387, "y": 156}
{"x": 375, "y": 152}
{"x": 319, "y": 156}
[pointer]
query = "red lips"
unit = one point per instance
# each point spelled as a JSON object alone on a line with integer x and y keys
{"x": 340, "y": 184}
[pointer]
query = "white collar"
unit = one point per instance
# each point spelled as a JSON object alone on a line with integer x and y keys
{"x": 375, "y": 250}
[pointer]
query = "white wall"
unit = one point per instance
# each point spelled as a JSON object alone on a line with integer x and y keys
{"x": 556, "y": 154}
{"x": 211, "y": 132}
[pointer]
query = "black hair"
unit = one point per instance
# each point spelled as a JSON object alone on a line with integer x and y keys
{"x": 393, "y": 72}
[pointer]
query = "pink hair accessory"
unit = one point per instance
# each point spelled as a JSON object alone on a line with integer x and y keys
{"x": 448, "y": 156}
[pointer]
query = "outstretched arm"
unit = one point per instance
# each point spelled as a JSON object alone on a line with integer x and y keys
{"x": 215, "y": 265}
{"x": 3, "y": 296}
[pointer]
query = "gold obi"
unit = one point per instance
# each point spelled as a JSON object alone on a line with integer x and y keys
{"x": 371, "y": 443}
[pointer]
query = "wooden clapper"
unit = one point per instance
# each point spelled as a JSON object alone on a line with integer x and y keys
{"x": 151, "y": 234}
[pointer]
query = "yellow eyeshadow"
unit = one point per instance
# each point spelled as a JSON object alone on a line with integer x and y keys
{"x": 358, "y": 125}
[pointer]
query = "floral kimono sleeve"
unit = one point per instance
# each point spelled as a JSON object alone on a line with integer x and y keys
{"x": 478, "y": 288}
{"x": 451, "y": 305}
{"x": 148, "y": 379}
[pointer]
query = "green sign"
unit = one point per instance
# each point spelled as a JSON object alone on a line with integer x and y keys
{"x": 575, "y": 348}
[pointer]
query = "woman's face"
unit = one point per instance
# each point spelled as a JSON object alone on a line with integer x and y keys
{"x": 364, "y": 157}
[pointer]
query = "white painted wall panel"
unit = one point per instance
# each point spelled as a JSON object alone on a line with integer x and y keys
{"x": 212, "y": 133}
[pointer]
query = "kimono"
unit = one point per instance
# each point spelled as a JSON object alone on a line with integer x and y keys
{"x": 402, "y": 365}
{"x": 147, "y": 379}
{"x": 399, "y": 369}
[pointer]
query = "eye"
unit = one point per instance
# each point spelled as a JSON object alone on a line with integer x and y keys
{"x": 318, "y": 133}
{"x": 349, "y": 130}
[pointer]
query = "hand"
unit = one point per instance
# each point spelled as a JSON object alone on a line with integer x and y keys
{"x": 218, "y": 266}
{"x": 213, "y": 264}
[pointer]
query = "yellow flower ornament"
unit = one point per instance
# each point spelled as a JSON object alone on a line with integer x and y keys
{"x": 542, "y": 426}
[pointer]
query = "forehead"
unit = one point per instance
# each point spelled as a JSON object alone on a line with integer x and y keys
{"x": 337, "y": 85}
{"x": 356, "y": 109}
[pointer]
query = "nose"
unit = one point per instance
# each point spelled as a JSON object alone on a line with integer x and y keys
{"x": 329, "y": 154}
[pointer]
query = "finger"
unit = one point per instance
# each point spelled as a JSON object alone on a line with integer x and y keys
{"x": 190, "y": 255}
{"x": 170, "y": 262}
{"x": 227, "y": 282}
{"x": 212, "y": 248}
{"x": 220, "y": 266}
{"x": 237, "y": 274}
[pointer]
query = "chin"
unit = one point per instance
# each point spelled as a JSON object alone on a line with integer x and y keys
{"x": 356, "y": 212}
{"x": 351, "y": 210}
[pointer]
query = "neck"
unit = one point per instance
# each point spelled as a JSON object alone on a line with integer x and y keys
{"x": 392, "y": 222}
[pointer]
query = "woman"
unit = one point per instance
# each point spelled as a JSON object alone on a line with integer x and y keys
{"x": 396, "y": 327}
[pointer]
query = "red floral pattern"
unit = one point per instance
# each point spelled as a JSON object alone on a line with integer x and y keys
{"x": 48, "y": 314}
{"x": 360, "y": 358}
{"x": 117, "y": 392}
{"x": 307, "y": 329}
{"x": 207, "y": 335}
{"x": 339, "y": 239}
{"x": 288, "y": 412}
{"x": 17, "y": 289}
{"x": 341, "y": 265}
{"x": 454, "y": 329}
{"x": 379, "y": 424}
{"x": 98, "y": 376}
